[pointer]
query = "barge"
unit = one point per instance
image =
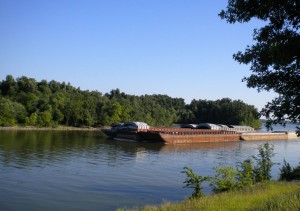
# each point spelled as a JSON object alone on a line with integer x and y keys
{"x": 141, "y": 132}
{"x": 182, "y": 135}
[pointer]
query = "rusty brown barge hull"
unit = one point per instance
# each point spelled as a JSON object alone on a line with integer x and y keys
{"x": 199, "y": 138}
{"x": 179, "y": 135}
{"x": 166, "y": 135}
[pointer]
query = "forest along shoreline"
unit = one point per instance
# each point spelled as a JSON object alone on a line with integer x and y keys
{"x": 27, "y": 102}
{"x": 59, "y": 128}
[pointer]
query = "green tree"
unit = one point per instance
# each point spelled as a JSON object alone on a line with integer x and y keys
{"x": 113, "y": 112}
{"x": 11, "y": 113}
{"x": 57, "y": 100}
{"x": 224, "y": 111}
{"x": 27, "y": 85}
{"x": 44, "y": 118}
{"x": 74, "y": 111}
{"x": 43, "y": 88}
{"x": 32, "y": 120}
{"x": 29, "y": 100}
{"x": 9, "y": 86}
{"x": 274, "y": 58}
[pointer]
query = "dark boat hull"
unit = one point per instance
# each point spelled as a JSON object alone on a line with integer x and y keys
{"x": 129, "y": 135}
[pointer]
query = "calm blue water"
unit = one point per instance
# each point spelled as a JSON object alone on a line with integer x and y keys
{"x": 47, "y": 170}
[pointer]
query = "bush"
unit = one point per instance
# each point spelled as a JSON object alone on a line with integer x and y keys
{"x": 224, "y": 180}
{"x": 194, "y": 181}
{"x": 32, "y": 120}
{"x": 288, "y": 173}
{"x": 262, "y": 170}
{"x": 245, "y": 173}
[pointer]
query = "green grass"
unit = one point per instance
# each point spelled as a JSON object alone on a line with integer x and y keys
{"x": 265, "y": 196}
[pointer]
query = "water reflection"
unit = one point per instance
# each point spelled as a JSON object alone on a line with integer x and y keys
{"x": 26, "y": 148}
{"x": 22, "y": 149}
{"x": 69, "y": 170}
{"x": 171, "y": 148}
{"x": 37, "y": 148}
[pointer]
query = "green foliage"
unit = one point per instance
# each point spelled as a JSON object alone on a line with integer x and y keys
{"x": 262, "y": 170}
{"x": 224, "y": 111}
{"x": 194, "y": 181}
{"x": 11, "y": 112}
{"x": 245, "y": 173}
{"x": 32, "y": 120}
{"x": 44, "y": 119}
{"x": 9, "y": 86}
{"x": 288, "y": 173}
{"x": 274, "y": 57}
{"x": 224, "y": 180}
{"x": 52, "y": 103}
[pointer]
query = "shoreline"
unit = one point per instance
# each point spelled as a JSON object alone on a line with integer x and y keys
{"x": 59, "y": 128}
{"x": 291, "y": 135}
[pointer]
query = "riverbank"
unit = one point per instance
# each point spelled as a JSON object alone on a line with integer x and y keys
{"x": 270, "y": 195}
{"x": 62, "y": 128}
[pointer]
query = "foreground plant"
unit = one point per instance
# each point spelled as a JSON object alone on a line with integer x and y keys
{"x": 266, "y": 196}
{"x": 194, "y": 181}
{"x": 244, "y": 173}
{"x": 224, "y": 180}
{"x": 262, "y": 170}
{"x": 228, "y": 178}
{"x": 288, "y": 173}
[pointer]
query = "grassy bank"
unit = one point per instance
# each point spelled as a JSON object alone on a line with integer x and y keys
{"x": 265, "y": 196}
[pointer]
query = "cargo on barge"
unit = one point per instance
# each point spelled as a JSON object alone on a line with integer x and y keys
{"x": 139, "y": 131}
{"x": 182, "y": 135}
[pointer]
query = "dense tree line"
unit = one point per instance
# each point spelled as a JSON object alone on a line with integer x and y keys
{"x": 25, "y": 101}
{"x": 224, "y": 111}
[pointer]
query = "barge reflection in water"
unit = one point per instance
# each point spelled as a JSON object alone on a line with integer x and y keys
{"x": 46, "y": 170}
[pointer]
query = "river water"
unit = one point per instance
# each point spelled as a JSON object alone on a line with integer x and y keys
{"x": 63, "y": 170}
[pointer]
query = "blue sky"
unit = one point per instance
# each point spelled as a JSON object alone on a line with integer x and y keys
{"x": 176, "y": 47}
